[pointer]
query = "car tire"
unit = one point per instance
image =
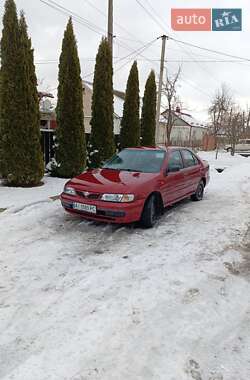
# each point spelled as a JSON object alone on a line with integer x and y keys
{"x": 198, "y": 195}
{"x": 149, "y": 213}
{"x": 229, "y": 149}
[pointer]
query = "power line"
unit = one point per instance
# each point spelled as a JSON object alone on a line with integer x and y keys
{"x": 183, "y": 42}
{"x": 134, "y": 53}
{"x": 154, "y": 17}
{"x": 67, "y": 12}
{"x": 205, "y": 61}
{"x": 210, "y": 50}
{"x": 161, "y": 21}
{"x": 99, "y": 30}
{"x": 118, "y": 25}
{"x": 55, "y": 61}
{"x": 80, "y": 20}
{"x": 190, "y": 54}
{"x": 129, "y": 48}
{"x": 115, "y": 23}
{"x": 150, "y": 15}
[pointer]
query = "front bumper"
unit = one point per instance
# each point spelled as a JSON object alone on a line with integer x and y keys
{"x": 105, "y": 211}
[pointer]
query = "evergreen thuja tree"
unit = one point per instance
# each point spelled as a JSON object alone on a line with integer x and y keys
{"x": 102, "y": 145}
{"x": 21, "y": 161}
{"x": 148, "y": 116}
{"x": 1, "y": 132}
{"x": 130, "y": 124}
{"x": 70, "y": 155}
{"x": 33, "y": 165}
{"x": 9, "y": 82}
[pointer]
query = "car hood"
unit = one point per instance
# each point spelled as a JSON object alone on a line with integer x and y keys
{"x": 109, "y": 181}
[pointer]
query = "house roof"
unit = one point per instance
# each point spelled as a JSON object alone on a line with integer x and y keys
{"x": 187, "y": 118}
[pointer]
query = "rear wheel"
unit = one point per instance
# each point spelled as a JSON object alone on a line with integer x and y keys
{"x": 198, "y": 195}
{"x": 150, "y": 212}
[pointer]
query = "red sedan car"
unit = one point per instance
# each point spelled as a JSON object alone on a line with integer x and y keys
{"x": 136, "y": 184}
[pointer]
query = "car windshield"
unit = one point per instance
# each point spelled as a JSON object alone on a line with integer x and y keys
{"x": 137, "y": 160}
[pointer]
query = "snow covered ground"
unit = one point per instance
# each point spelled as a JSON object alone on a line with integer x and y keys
{"x": 81, "y": 301}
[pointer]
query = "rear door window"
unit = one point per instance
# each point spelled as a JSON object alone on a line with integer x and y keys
{"x": 175, "y": 160}
{"x": 188, "y": 159}
{"x": 196, "y": 161}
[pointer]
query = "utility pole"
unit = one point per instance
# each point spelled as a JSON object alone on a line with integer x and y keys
{"x": 158, "y": 106}
{"x": 110, "y": 25}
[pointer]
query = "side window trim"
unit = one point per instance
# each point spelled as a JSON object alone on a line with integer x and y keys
{"x": 195, "y": 159}
{"x": 183, "y": 167}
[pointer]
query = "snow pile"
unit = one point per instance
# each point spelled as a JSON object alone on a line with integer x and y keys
{"x": 18, "y": 197}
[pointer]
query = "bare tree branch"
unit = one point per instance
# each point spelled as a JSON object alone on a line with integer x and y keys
{"x": 170, "y": 91}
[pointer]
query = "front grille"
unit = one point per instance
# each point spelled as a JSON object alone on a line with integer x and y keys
{"x": 88, "y": 195}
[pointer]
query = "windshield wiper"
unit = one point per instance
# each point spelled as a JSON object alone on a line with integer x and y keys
{"x": 110, "y": 168}
{"x": 121, "y": 169}
{"x": 131, "y": 170}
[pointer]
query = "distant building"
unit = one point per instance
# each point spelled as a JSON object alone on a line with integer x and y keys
{"x": 47, "y": 125}
{"x": 119, "y": 97}
{"x": 186, "y": 130}
{"x": 48, "y": 117}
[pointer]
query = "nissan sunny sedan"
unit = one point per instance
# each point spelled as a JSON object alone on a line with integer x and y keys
{"x": 136, "y": 184}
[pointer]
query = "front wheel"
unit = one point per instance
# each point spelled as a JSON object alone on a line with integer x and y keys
{"x": 149, "y": 214}
{"x": 198, "y": 195}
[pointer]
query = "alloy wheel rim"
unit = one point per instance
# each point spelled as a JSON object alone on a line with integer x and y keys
{"x": 200, "y": 192}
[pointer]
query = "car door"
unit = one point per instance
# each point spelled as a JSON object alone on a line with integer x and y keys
{"x": 191, "y": 171}
{"x": 173, "y": 184}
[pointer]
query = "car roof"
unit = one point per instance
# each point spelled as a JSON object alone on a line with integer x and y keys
{"x": 146, "y": 148}
{"x": 163, "y": 147}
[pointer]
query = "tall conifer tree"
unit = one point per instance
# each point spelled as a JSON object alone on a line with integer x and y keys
{"x": 70, "y": 136}
{"x": 102, "y": 145}
{"x": 33, "y": 165}
{"x": 130, "y": 124}
{"x": 149, "y": 112}
{"x": 9, "y": 80}
{"x": 20, "y": 153}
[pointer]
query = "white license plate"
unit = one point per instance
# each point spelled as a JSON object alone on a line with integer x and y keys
{"x": 84, "y": 207}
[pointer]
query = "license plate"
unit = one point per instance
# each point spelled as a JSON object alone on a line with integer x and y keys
{"x": 83, "y": 207}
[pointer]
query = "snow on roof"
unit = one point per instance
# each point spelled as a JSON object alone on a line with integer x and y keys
{"x": 190, "y": 120}
{"x": 187, "y": 118}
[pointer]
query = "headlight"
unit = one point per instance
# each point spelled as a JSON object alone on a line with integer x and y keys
{"x": 118, "y": 198}
{"x": 69, "y": 190}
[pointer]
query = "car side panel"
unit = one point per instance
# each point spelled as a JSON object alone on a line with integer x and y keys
{"x": 172, "y": 188}
{"x": 192, "y": 177}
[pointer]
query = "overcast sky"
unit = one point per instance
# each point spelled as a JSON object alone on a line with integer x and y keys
{"x": 134, "y": 28}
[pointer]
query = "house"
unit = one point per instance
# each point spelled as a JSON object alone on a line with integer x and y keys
{"x": 47, "y": 125}
{"x": 186, "y": 130}
{"x": 119, "y": 97}
{"x": 48, "y": 117}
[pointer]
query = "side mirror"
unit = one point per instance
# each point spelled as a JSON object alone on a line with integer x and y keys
{"x": 174, "y": 169}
